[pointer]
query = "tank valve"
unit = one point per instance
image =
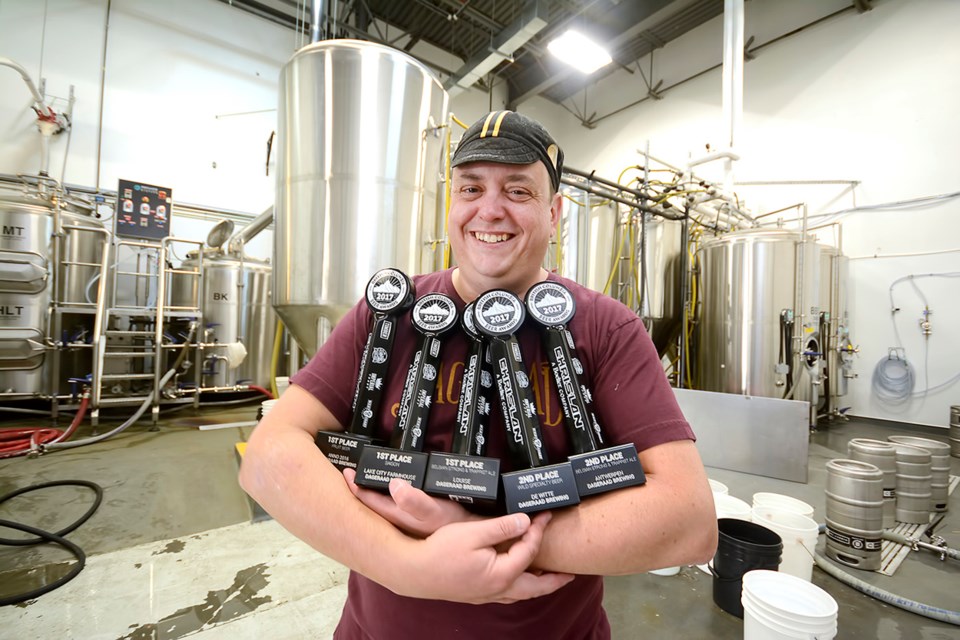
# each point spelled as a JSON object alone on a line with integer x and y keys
{"x": 925, "y": 327}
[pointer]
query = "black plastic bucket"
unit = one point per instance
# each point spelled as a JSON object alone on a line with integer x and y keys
{"x": 743, "y": 546}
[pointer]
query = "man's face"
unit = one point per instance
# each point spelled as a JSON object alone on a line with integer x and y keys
{"x": 501, "y": 219}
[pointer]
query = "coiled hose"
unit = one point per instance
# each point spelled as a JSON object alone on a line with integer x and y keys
{"x": 46, "y": 536}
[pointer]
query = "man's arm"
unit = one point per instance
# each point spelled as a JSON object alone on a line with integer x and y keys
{"x": 667, "y": 522}
{"x": 291, "y": 479}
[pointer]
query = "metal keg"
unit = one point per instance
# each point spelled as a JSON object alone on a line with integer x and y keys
{"x": 955, "y": 431}
{"x": 939, "y": 468}
{"x": 854, "y": 513}
{"x": 882, "y": 455}
{"x": 913, "y": 484}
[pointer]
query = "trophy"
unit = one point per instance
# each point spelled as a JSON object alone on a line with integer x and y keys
{"x": 464, "y": 474}
{"x": 540, "y": 485}
{"x": 389, "y": 294}
{"x": 433, "y": 315}
{"x": 597, "y": 467}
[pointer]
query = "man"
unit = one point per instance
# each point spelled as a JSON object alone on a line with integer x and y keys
{"x": 420, "y": 566}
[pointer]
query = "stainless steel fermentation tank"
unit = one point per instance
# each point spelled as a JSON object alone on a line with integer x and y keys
{"x": 236, "y": 308}
{"x": 358, "y": 165}
{"x": 757, "y": 332}
{"x": 47, "y": 302}
{"x": 590, "y": 245}
{"x": 834, "y": 329}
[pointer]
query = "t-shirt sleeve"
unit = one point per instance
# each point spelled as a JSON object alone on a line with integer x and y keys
{"x": 633, "y": 400}
{"x": 331, "y": 374}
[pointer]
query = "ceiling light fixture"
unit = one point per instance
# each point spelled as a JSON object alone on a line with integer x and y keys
{"x": 580, "y": 52}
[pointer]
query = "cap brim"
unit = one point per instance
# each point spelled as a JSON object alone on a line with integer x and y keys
{"x": 497, "y": 149}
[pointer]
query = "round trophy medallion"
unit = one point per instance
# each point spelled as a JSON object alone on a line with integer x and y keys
{"x": 389, "y": 291}
{"x": 498, "y": 313}
{"x": 434, "y": 313}
{"x": 550, "y": 303}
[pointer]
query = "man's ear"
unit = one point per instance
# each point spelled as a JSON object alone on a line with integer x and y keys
{"x": 556, "y": 208}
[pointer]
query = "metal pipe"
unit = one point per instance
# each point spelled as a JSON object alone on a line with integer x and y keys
{"x": 103, "y": 83}
{"x": 603, "y": 193}
{"x": 317, "y": 14}
{"x": 42, "y": 107}
{"x": 245, "y": 235}
{"x": 732, "y": 82}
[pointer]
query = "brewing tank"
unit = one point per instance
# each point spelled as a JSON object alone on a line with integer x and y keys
{"x": 661, "y": 278}
{"x": 835, "y": 326}
{"x": 583, "y": 247}
{"x": 236, "y": 308}
{"x": 33, "y": 281}
{"x": 358, "y": 162}
{"x": 756, "y": 332}
{"x": 590, "y": 249}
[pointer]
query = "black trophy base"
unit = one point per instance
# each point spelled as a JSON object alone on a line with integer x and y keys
{"x": 379, "y": 465}
{"x": 539, "y": 489}
{"x": 467, "y": 479}
{"x": 607, "y": 469}
{"x": 342, "y": 449}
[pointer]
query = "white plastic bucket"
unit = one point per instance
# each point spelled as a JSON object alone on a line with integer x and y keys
{"x": 799, "y": 534}
{"x": 778, "y": 605}
{"x": 728, "y": 506}
{"x": 718, "y": 487}
{"x": 265, "y": 408}
{"x": 783, "y": 503}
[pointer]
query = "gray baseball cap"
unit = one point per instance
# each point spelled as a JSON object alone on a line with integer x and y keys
{"x": 510, "y": 138}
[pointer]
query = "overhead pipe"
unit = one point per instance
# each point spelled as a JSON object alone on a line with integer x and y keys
{"x": 245, "y": 235}
{"x": 42, "y": 107}
{"x": 733, "y": 18}
{"x": 317, "y": 16}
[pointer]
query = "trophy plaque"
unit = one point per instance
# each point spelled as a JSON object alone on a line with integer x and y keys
{"x": 539, "y": 485}
{"x": 389, "y": 294}
{"x": 432, "y": 316}
{"x": 464, "y": 474}
{"x": 597, "y": 466}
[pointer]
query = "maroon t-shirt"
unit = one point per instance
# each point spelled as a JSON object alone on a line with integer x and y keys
{"x": 633, "y": 403}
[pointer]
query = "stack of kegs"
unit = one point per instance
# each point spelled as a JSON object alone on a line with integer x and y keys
{"x": 913, "y": 484}
{"x": 955, "y": 431}
{"x": 939, "y": 467}
{"x": 882, "y": 455}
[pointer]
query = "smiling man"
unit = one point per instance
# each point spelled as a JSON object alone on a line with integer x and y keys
{"x": 426, "y": 567}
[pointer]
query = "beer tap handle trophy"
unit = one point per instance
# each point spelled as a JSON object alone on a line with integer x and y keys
{"x": 597, "y": 466}
{"x": 433, "y": 315}
{"x": 464, "y": 474}
{"x": 538, "y": 486}
{"x": 389, "y": 294}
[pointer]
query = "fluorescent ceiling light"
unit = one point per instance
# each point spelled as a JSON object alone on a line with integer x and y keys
{"x": 579, "y": 52}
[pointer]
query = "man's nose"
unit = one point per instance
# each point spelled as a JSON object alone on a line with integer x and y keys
{"x": 491, "y": 206}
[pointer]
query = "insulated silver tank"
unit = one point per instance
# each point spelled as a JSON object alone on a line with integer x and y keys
{"x": 662, "y": 307}
{"x": 583, "y": 248}
{"x": 757, "y": 319}
{"x": 834, "y": 328}
{"x": 587, "y": 248}
{"x": 358, "y": 157}
{"x": 236, "y": 308}
{"x": 31, "y": 287}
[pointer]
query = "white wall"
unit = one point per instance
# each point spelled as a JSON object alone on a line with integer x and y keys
{"x": 870, "y": 97}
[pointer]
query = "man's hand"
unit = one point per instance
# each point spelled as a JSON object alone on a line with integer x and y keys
{"x": 408, "y": 508}
{"x": 460, "y": 562}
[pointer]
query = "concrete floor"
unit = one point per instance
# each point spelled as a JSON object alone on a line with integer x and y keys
{"x": 172, "y": 551}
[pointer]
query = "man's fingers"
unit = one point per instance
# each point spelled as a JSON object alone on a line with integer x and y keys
{"x": 529, "y": 585}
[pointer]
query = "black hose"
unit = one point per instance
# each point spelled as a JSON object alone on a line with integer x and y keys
{"x": 46, "y": 536}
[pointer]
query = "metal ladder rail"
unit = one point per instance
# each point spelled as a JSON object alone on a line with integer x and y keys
{"x": 99, "y": 308}
{"x": 164, "y": 308}
{"x": 96, "y": 396}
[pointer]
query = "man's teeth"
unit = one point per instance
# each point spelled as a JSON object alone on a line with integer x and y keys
{"x": 492, "y": 237}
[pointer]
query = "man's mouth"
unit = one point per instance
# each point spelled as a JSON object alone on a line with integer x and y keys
{"x": 491, "y": 238}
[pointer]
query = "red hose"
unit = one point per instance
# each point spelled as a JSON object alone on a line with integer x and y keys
{"x": 17, "y": 442}
{"x": 265, "y": 392}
